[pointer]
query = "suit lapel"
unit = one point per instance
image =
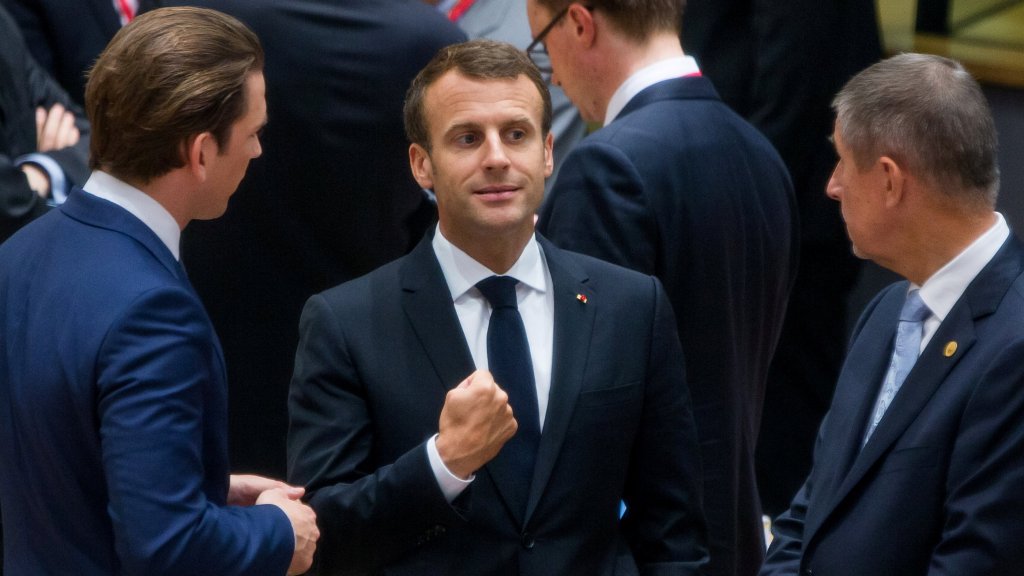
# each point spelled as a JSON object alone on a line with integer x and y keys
{"x": 573, "y": 327}
{"x": 427, "y": 304}
{"x": 981, "y": 299}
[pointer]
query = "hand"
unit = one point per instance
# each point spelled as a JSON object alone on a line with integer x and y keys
{"x": 246, "y": 488}
{"x": 476, "y": 421}
{"x": 55, "y": 129}
{"x": 303, "y": 521}
{"x": 38, "y": 180}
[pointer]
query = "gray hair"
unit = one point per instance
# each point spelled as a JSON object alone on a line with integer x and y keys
{"x": 927, "y": 113}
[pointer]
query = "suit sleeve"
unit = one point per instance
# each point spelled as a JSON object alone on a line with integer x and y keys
{"x": 45, "y": 92}
{"x": 598, "y": 206}
{"x": 19, "y": 204}
{"x": 664, "y": 523}
{"x": 786, "y": 550}
{"x": 985, "y": 488}
{"x": 154, "y": 379}
{"x": 368, "y": 515}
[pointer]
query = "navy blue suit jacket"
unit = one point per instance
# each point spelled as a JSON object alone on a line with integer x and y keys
{"x": 113, "y": 438}
{"x": 680, "y": 187}
{"x": 939, "y": 486}
{"x": 377, "y": 356}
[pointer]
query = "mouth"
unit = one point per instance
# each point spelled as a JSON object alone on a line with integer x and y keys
{"x": 497, "y": 192}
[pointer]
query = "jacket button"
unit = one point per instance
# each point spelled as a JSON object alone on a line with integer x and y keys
{"x": 527, "y": 540}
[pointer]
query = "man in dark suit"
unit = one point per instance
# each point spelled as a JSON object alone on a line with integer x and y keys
{"x": 778, "y": 64}
{"x": 44, "y": 138}
{"x": 677, "y": 185}
{"x": 918, "y": 468}
{"x": 587, "y": 373}
{"x": 66, "y": 36}
{"x": 113, "y": 444}
{"x": 332, "y": 199}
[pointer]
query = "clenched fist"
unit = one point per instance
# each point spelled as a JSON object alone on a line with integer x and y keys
{"x": 476, "y": 421}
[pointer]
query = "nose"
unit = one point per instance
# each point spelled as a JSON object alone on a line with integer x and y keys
{"x": 496, "y": 158}
{"x": 257, "y": 150}
{"x": 832, "y": 189}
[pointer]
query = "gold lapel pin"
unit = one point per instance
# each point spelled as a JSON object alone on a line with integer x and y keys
{"x": 582, "y": 298}
{"x": 950, "y": 348}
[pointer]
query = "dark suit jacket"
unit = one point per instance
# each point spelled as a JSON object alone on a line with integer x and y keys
{"x": 779, "y": 63}
{"x": 23, "y": 86}
{"x": 112, "y": 385}
{"x": 939, "y": 486}
{"x": 376, "y": 359}
{"x": 66, "y": 36}
{"x": 680, "y": 187}
{"x": 332, "y": 197}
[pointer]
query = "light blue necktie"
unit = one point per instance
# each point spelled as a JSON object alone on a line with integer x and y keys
{"x": 904, "y": 354}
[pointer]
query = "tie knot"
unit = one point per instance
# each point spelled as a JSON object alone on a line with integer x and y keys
{"x": 914, "y": 309}
{"x": 500, "y": 291}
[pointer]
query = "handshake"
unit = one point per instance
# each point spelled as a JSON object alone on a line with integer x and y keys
{"x": 248, "y": 490}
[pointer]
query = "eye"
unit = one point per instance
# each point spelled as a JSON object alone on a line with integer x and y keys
{"x": 467, "y": 139}
{"x": 517, "y": 135}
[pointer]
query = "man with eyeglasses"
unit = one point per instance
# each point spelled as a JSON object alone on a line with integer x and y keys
{"x": 678, "y": 186}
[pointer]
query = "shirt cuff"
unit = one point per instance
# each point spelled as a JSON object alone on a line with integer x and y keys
{"x": 58, "y": 183}
{"x": 451, "y": 485}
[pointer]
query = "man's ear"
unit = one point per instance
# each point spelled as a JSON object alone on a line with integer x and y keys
{"x": 582, "y": 22}
{"x": 422, "y": 169}
{"x": 549, "y": 155}
{"x": 198, "y": 152}
{"x": 895, "y": 181}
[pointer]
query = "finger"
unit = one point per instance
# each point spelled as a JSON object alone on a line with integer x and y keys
{"x": 40, "y": 122}
{"x": 51, "y": 127}
{"x": 66, "y": 132}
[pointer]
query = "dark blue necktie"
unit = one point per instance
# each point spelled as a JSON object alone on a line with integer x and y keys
{"x": 508, "y": 357}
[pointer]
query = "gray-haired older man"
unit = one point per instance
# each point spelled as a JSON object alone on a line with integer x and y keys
{"x": 918, "y": 466}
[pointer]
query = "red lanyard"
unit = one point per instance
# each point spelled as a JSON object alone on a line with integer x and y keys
{"x": 458, "y": 10}
{"x": 126, "y": 10}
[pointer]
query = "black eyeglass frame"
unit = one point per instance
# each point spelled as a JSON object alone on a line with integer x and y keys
{"x": 539, "y": 39}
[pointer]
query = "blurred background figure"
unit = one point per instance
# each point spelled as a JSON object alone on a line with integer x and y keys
{"x": 505, "y": 21}
{"x": 66, "y": 36}
{"x": 44, "y": 137}
{"x": 678, "y": 186}
{"x": 778, "y": 64}
{"x": 331, "y": 198}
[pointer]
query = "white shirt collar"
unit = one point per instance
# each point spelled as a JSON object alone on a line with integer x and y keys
{"x": 140, "y": 205}
{"x": 462, "y": 272}
{"x": 943, "y": 289}
{"x": 645, "y": 77}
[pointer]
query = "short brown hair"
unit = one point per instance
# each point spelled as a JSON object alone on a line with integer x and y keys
{"x": 479, "y": 59}
{"x": 637, "y": 19}
{"x": 169, "y": 75}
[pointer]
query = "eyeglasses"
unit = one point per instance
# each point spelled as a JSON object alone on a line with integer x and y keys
{"x": 538, "y": 52}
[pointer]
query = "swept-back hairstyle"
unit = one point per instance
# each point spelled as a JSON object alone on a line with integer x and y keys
{"x": 167, "y": 76}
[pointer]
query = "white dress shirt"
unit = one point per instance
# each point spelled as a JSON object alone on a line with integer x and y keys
{"x": 140, "y": 205}
{"x": 943, "y": 289}
{"x": 647, "y": 77}
{"x": 536, "y": 306}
